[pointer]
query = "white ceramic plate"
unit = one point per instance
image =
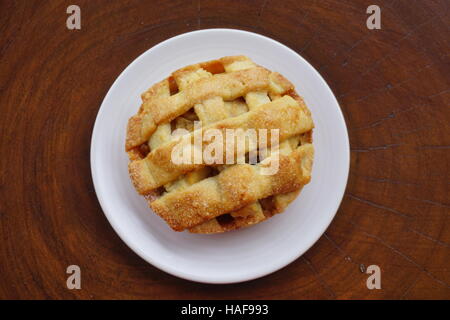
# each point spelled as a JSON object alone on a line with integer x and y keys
{"x": 239, "y": 255}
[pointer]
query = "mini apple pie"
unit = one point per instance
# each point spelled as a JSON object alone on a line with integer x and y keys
{"x": 202, "y": 103}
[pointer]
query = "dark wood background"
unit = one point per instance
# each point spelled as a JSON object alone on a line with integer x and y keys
{"x": 393, "y": 87}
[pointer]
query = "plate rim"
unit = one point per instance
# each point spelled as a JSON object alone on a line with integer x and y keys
{"x": 186, "y": 275}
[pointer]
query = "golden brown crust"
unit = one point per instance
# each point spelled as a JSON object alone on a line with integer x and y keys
{"x": 231, "y": 92}
{"x": 247, "y": 216}
{"x": 234, "y": 188}
{"x": 229, "y": 86}
{"x": 284, "y": 114}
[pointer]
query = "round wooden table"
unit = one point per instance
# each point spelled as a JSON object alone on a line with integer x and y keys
{"x": 393, "y": 87}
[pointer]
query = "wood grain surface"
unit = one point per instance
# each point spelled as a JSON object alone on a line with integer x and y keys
{"x": 393, "y": 87}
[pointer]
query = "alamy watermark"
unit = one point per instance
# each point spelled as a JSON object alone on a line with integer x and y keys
{"x": 374, "y": 20}
{"x": 73, "y": 21}
{"x": 214, "y": 146}
{"x": 74, "y": 280}
{"x": 374, "y": 280}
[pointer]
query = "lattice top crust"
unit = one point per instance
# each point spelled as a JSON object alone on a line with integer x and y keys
{"x": 231, "y": 93}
